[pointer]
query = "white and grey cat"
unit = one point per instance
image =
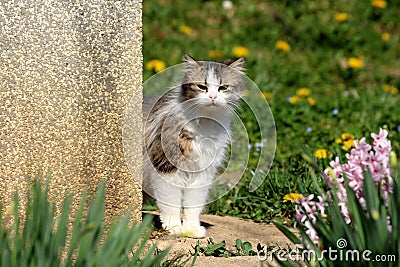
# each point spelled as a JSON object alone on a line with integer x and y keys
{"x": 186, "y": 135}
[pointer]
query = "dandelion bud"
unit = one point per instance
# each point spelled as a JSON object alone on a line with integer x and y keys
{"x": 374, "y": 214}
{"x": 306, "y": 157}
{"x": 393, "y": 159}
{"x": 331, "y": 173}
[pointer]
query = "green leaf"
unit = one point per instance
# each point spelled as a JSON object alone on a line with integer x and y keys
{"x": 247, "y": 248}
{"x": 238, "y": 244}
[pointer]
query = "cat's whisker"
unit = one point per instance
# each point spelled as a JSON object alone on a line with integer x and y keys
{"x": 234, "y": 109}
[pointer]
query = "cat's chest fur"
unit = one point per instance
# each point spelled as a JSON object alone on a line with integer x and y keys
{"x": 209, "y": 141}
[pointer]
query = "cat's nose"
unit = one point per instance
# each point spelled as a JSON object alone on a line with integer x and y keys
{"x": 212, "y": 96}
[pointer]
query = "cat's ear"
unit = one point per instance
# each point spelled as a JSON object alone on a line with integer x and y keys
{"x": 189, "y": 61}
{"x": 237, "y": 64}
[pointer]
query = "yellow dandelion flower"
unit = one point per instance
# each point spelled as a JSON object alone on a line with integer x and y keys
{"x": 379, "y": 3}
{"x": 215, "y": 53}
{"x": 355, "y": 63}
{"x": 339, "y": 141}
{"x": 348, "y": 144}
{"x": 292, "y": 197}
{"x": 341, "y": 17}
{"x": 267, "y": 95}
{"x": 303, "y": 92}
{"x": 347, "y": 136}
{"x": 240, "y": 51}
{"x": 386, "y": 36}
{"x": 282, "y": 45}
{"x": 322, "y": 153}
{"x": 185, "y": 30}
{"x": 346, "y": 140}
{"x": 310, "y": 101}
{"x": 156, "y": 65}
{"x": 295, "y": 99}
{"x": 390, "y": 89}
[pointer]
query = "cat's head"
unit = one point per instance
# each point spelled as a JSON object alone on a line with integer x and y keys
{"x": 212, "y": 85}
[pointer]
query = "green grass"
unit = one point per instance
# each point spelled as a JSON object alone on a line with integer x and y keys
{"x": 346, "y": 100}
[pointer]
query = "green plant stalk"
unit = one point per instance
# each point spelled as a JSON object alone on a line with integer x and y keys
{"x": 42, "y": 238}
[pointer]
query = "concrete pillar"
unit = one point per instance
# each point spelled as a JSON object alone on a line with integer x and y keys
{"x": 68, "y": 72}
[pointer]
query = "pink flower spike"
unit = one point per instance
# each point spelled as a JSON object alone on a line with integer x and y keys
{"x": 382, "y": 134}
{"x": 362, "y": 145}
{"x": 373, "y": 158}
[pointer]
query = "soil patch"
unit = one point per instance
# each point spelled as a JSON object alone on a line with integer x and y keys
{"x": 226, "y": 229}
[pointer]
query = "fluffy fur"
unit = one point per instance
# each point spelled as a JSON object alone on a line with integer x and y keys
{"x": 186, "y": 135}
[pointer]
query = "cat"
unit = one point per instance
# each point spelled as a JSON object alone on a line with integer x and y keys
{"x": 186, "y": 134}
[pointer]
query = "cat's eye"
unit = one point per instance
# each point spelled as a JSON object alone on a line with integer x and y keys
{"x": 202, "y": 87}
{"x": 223, "y": 88}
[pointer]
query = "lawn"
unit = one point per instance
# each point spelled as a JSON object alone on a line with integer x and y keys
{"x": 328, "y": 69}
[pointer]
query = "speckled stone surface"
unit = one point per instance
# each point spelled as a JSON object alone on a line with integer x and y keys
{"x": 68, "y": 72}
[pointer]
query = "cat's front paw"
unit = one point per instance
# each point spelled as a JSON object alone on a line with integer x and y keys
{"x": 193, "y": 231}
{"x": 175, "y": 230}
{"x": 187, "y": 231}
